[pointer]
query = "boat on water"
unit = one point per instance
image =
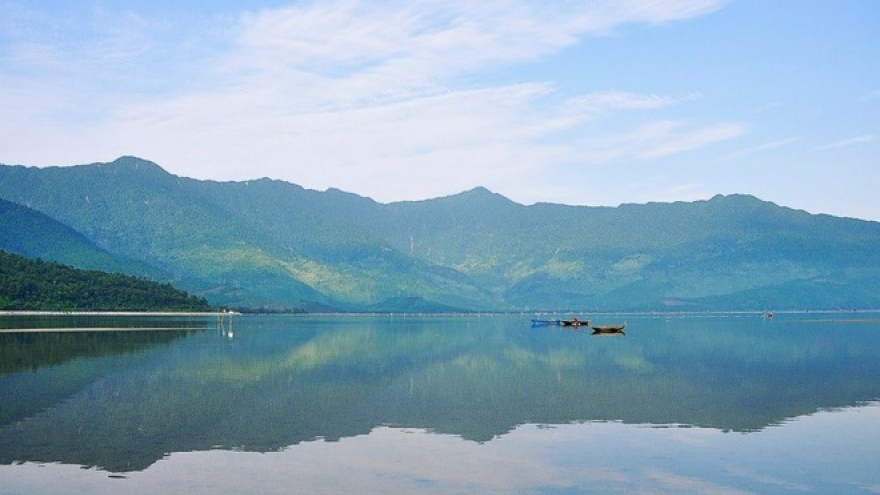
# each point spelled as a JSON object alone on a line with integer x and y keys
{"x": 537, "y": 322}
{"x": 608, "y": 329}
{"x": 574, "y": 322}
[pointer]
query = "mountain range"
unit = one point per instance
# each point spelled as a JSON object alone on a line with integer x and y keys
{"x": 272, "y": 245}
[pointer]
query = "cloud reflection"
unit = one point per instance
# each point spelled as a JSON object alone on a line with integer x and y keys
{"x": 585, "y": 458}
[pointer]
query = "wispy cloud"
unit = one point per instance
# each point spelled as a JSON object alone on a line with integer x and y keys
{"x": 659, "y": 139}
{"x": 413, "y": 99}
{"x": 620, "y": 100}
{"x": 780, "y": 143}
{"x": 854, "y": 141}
{"x": 396, "y": 100}
{"x": 692, "y": 140}
{"x": 353, "y": 52}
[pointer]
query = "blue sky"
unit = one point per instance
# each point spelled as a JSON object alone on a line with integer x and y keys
{"x": 578, "y": 102}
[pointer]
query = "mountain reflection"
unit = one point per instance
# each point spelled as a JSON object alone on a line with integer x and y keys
{"x": 282, "y": 381}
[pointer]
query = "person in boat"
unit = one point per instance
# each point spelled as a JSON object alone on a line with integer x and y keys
{"x": 575, "y": 322}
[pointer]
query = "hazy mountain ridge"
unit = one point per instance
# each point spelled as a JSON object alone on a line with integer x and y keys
{"x": 32, "y": 234}
{"x": 271, "y": 243}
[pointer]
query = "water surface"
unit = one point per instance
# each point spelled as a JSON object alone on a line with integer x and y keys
{"x": 680, "y": 404}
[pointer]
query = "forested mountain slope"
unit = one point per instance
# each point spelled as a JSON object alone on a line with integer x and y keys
{"x": 28, "y": 284}
{"x": 276, "y": 244}
{"x": 32, "y": 234}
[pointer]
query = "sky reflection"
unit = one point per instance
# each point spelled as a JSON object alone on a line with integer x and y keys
{"x": 827, "y": 452}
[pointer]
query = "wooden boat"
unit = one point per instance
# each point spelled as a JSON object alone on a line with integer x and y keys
{"x": 575, "y": 323}
{"x": 609, "y": 329}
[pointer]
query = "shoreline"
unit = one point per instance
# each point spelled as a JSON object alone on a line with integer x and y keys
{"x": 421, "y": 314}
{"x": 99, "y": 329}
{"x": 186, "y": 315}
{"x": 118, "y": 313}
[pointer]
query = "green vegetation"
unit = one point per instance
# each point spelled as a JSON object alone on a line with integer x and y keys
{"x": 275, "y": 245}
{"x": 27, "y": 284}
{"x": 32, "y": 234}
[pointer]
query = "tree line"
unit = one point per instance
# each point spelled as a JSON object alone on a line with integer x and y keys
{"x": 36, "y": 284}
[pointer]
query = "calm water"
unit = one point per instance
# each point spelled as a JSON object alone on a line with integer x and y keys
{"x": 684, "y": 404}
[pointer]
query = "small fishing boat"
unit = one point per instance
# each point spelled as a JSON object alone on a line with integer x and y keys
{"x": 565, "y": 323}
{"x": 608, "y": 329}
{"x": 537, "y": 322}
{"x": 574, "y": 322}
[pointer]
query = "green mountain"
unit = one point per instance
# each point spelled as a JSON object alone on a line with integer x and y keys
{"x": 731, "y": 252}
{"x": 250, "y": 244}
{"x": 273, "y": 244}
{"x": 32, "y": 234}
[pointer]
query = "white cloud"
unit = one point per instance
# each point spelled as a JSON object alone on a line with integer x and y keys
{"x": 692, "y": 140}
{"x": 353, "y": 51}
{"x": 413, "y": 99}
{"x": 765, "y": 147}
{"x": 658, "y": 139}
{"x": 854, "y": 141}
{"x": 395, "y": 100}
{"x": 619, "y": 100}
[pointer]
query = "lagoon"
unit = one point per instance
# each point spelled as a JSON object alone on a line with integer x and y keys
{"x": 683, "y": 403}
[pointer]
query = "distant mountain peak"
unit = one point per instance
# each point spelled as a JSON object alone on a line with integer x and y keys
{"x": 479, "y": 190}
{"x": 132, "y": 168}
{"x": 135, "y": 163}
{"x": 481, "y": 193}
{"x": 744, "y": 203}
{"x": 735, "y": 197}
